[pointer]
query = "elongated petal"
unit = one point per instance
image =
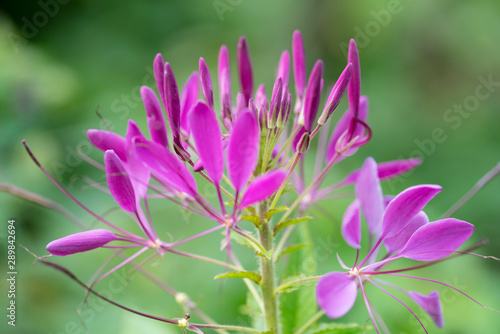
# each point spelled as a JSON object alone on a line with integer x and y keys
{"x": 206, "y": 83}
{"x": 156, "y": 122}
{"x": 224, "y": 74}
{"x": 159, "y": 70}
{"x": 313, "y": 95}
{"x": 284, "y": 67}
{"x": 351, "y": 225}
{"x": 406, "y": 205}
{"x": 105, "y": 140}
{"x": 189, "y": 97}
{"x": 436, "y": 240}
{"x": 243, "y": 150}
{"x": 138, "y": 172}
{"x": 263, "y": 187}
{"x": 245, "y": 69}
{"x": 119, "y": 182}
{"x": 165, "y": 165}
{"x": 336, "y": 293}
{"x": 336, "y": 94}
{"x": 299, "y": 63}
{"x": 342, "y": 127}
{"x": 387, "y": 170}
{"x": 208, "y": 139}
{"x": 80, "y": 242}
{"x": 431, "y": 305}
{"x": 369, "y": 193}
{"x": 397, "y": 242}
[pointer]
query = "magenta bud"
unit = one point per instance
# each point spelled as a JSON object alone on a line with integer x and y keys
{"x": 159, "y": 69}
{"x": 336, "y": 94}
{"x": 80, "y": 242}
{"x": 275, "y": 102}
{"x": 261, "y": 98}
{"x": 313, "y": 95}
{"x": 189, "y": 97}
{"x": 299, "y": 63}
{"x": 240, "y": 103}
{"x": 354, "y": 87}
{"x": 284, "y": 67}
{"x": 245, "y": 69}
{"x": 206, "y": 83}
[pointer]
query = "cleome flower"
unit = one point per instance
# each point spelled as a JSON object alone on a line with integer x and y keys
{"x": 399, "y": 224}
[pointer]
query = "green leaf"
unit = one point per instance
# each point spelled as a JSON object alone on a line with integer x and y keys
{"x": 241, "y": 274}
{"x": 244, "y": 242}
{"x": 289, "y": 222}
{"x": 252, "y": 219}
{"x": 253, "y": 310}
{"x": 293, "y": 278}
{"x": 291, "y": 249}
{"x": 337, "y": 328}
{"x": 300, "y": 306}
{"x": 276, "y": 210}
{"x": 271, "y": 331}
{"x": 268, "y": 254}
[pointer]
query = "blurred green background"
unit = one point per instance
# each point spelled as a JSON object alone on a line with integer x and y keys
{"x": 420, "y": 60}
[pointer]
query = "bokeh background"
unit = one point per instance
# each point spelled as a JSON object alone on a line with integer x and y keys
{"x": 421, "y": 60}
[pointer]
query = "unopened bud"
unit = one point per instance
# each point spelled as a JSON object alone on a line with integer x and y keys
{"x": 303, "y": 143}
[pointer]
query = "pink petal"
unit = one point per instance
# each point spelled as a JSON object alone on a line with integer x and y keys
{"x": 263, "y": 187}
{"x": 206, "y": 83}
{"x": 189, "y": 97}
{"x": 225, "y": 82}
{"x": 159, "y": 70}
{"x": 397, "y": 242}
{"x": 80, "y": 242}
{"x": 105, "y": 140}
{"x": 405, "y": 206}
{"x": 243, "y": 150}
{"x": 165, "y": 165}
{"x": 208, "y": 139}
{"x": 431, "y": 305}
{"x": 336, "y": 94}
{"x": 387, "y": 170}
{"x": 299, "y": 63}
{"x": 138, "y": 172}
{"x": 336, "y": 293}
{"x": 313, "y": 95}
{"x": 245, "y": 69}
{"x": 342, "y": 127}
{"x": 369, "y": 193}
{"x": 119, "y": 182}
{"x": 351, "y": 225}
{"x": 436, "y": 240}
{"x": 284, "y": 67}
{"x": 156, "y": 122}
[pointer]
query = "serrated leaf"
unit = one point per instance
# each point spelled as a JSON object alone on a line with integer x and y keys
{"x": 276, "y": 210}
{"x": 271, "y": 331}
{"x": 291, "y": 249}
{"x": 293, "y": 278}
{"x": 241, "y": 274}
{"x": 243, "y": 241}
{"x": 299, "y": 306}
{"x": 289, "y": 222}
{"x": 252, "y": 219}
{"x": 337, "y": 328}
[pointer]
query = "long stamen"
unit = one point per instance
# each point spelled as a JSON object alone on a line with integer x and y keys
{"x": 367, "y": 302}
{"x": 390, "y": 294}
{"x": 35, "y": 160}
{"x": 449, "y": 286}
{"x": 175, "y": 244}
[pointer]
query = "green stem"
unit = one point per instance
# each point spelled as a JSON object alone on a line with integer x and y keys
{"x": 267, "y": 271}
